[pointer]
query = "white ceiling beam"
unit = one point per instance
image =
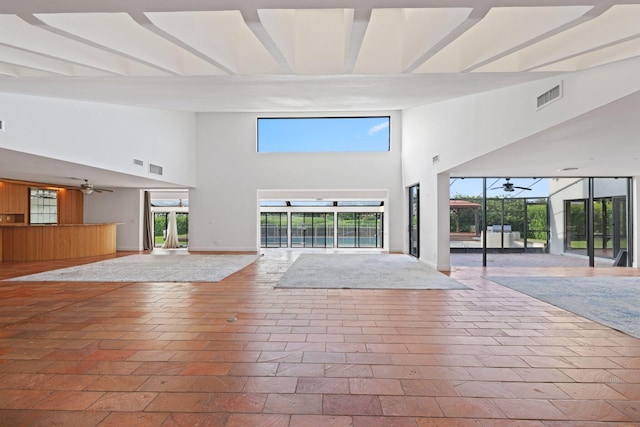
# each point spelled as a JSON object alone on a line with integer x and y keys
{"x": 475, "y": 16}
{"x": 19, "y": 70}
{"x": 56, "y": 58}
{"x": 252, "y": 19}
{"x": 40, "y": 24}
{"x": 361, "y": 19}
{"x": 142, "y": 20}
{"x": 44, "y": 63}
{"x": 594, "y": 12}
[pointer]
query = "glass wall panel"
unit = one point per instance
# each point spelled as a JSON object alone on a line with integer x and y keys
{"x": 346, "y": 230}
{"x": 610, "y": 217}
{"x": 182, "y": 221}
{"x": 360, "y": 230}
{"x": 369, "y": 229}
{"x": 508, "y": 227}
{"x": 619, "y": 225}
{"x": 273, "y": 230}
{"x": 414, "y": 220}
{"x": 311, "y": 230}
{"x": 576, "y": 226}
{"x": 537, "y": 232}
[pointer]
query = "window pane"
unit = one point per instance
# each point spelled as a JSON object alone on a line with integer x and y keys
{"x": 273, "y": 230}
{"x": 346, "y": 230}
{"x": 44, "y": 206}
{"x": 320, "y": 134}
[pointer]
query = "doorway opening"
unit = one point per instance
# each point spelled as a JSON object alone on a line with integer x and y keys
{"x": 170, "y": 211}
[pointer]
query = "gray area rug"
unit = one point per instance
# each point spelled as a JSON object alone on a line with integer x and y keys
{"x": 149, "y": 268}
{"x": 375, "y": 271}
{"x": 610, "y": 301}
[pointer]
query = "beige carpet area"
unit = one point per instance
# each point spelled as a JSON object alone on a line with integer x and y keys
{"x": 610, "y": 301}
{"x": 370, "y": 271}
{"x": 149, "y": 268}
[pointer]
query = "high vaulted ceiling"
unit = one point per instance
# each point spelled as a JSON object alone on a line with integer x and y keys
{"x": 323, "y": 55}
{"x": 316, "y": 55}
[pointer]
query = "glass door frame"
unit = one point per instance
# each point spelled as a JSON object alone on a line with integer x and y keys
{"x": 414, "y": 220}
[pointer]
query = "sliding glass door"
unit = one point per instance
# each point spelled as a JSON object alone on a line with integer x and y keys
{"x": 312, "y": 230}
{"x": 360, "y": 229}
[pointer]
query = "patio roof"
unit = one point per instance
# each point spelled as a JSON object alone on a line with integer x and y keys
{"x": 463, "y": 204}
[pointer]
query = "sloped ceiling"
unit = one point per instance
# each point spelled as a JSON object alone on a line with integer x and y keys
{"x": 283, "y": 55}
{"x": 320, "y": 55}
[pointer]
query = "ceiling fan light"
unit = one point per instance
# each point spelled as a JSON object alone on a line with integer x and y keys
{"x": 86, "y": 190}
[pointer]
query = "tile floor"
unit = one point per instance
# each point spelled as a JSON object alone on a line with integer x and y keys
{"x": 240, "y": 353}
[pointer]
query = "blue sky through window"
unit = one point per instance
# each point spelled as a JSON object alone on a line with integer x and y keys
{"x": 340, "y": 134}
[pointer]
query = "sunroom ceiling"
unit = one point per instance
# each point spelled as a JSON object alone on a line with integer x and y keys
{"x": 124, "y": 50}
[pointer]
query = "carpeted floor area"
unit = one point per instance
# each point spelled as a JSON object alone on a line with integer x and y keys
{"x": 611, "y": 301}
{"x": 370, "y": 271}
{"x": 149, "y": 268}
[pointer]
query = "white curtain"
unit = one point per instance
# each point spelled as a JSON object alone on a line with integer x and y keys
{"x": 172, "y": 233}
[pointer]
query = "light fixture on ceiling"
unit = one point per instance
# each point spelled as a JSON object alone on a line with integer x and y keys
{"x": 86, "y": 187}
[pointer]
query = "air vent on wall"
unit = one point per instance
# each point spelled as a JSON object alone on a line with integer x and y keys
{"x": 138, "y": 162}
{"x": 549, "y": 96}
{"x": 155, "y": 169}
{"x": 1, "y": 125}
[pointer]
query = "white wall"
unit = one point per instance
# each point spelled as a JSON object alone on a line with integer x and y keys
{"x": 464, "y": 128}
{"x": 224, "y": 212}
{"x": 123, "y": 206}
{"x": 107, "y": 137}
{"x": 101, "y": 135}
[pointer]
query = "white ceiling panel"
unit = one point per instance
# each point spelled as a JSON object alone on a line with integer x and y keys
{"x": 617, "y": 52}
{"x": 502, "y": 29}
{"x": 119, "y": 32}
{"x": 615, "y": 25}
{"x": 12, "y": 70}
{"x": 222, "y": 36}
{"x": 18, "y": 33}
{"x": 292, "y": 55}
{"x": 46, "y": 64}
{"x": 313, "y": 41}
{"x": 395, "y": 38}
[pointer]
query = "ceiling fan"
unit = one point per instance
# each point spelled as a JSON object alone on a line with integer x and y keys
{"x": 509, "y": 187}
{"x": 87, "y": 187}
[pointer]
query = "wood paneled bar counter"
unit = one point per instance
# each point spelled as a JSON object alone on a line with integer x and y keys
{"x": 61, "y": 241}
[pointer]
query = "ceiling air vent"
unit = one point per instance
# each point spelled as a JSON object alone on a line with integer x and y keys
{"x": 549, "y": 96}
{"x": 155, "y": 169}
{"x": 1, "y": 125}
{"x": 138, "y": 162}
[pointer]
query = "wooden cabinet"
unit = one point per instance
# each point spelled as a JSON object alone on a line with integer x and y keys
{"x": 14, "y": 203}
{"x": 15, "y": 200}
{"x": 18, "y": 199}
{"x": 49, "y": 242}
{"x": 70, "y": 207}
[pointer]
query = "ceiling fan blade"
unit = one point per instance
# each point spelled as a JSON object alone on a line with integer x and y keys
{"x": 523, "y": 188}
{"x": 102, "y": 190}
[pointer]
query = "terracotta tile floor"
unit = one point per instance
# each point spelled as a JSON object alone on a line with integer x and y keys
{"x": 240, "y": 353}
